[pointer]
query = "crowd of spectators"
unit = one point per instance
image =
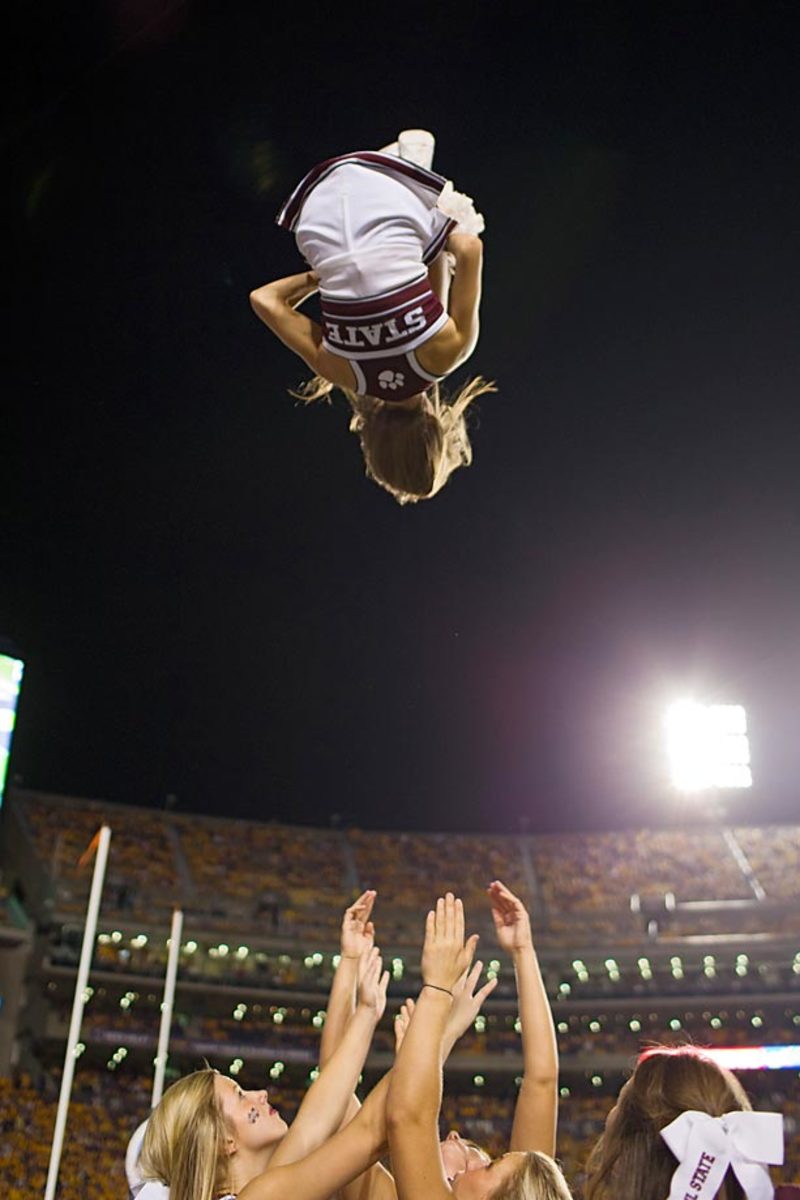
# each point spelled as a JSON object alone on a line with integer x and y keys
{"x": 141, "y": 875}
{"x": 106, "y": 1109}
{"x": 773, "y": 853}
{"x": 101, "y": 1118}
{"x": 280, "y": 880}
{"x": 602, "y": 870}
{"x": 397, "y": 865}
{"x": 270, "y": 873}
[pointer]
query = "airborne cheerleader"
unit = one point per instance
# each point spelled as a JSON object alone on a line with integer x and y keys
{"x": 396, "y": 257}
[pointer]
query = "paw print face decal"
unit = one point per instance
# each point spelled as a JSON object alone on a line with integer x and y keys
{"x": 391, "y": 380}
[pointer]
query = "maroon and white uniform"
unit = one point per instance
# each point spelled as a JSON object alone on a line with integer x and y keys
{"x": 368, "y": 225}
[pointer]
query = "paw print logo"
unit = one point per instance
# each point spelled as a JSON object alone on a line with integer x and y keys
{"x": 391, "y": 380}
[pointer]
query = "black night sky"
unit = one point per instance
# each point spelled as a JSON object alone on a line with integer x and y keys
{"x": 212, "y": 599}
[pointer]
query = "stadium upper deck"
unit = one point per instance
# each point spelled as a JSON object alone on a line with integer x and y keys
{"x": 280, "y": 879}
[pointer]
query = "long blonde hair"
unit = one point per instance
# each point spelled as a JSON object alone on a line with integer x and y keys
{"x": 537, "y": 1178}
{"x": 631, "y": 1161}
{"x": 409, "y": 452}
{"x": 184, "y": 1144}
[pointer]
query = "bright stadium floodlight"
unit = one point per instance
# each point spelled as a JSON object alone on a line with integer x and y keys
{"x": 708, "y": 747}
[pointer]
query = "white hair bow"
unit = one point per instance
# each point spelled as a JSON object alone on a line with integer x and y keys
{"x": 706, "y": 1146}
{"x": 152, "y": 1190}
{"x": 132, "y": 1156}
{"x": 142, "y": 1189}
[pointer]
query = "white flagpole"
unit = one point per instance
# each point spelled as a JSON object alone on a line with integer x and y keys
{"x": 90, "y": 929}
{"x": 166, "y": 1005}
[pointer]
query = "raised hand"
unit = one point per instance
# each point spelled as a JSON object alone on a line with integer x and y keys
{"x": 358, "y": 932}
{"x": 445, "y": 955}
{"x": 511, "y": 921}
{"x": 402, "y": 1022}
{"x": 372, "y": 983}
{"x": 467, "y": 1002}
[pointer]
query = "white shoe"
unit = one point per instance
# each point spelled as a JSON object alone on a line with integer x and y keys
{"x": 416, "y": 146}
{"x": 461, "y": 209}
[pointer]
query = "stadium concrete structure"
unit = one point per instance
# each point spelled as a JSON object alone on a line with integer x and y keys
{"x": 643, "y": 936}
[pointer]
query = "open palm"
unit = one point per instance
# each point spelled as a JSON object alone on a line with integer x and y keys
{"x": 358, "y": 932}
{"x": 511, "y": 921}
{"x": 372, "y": 982}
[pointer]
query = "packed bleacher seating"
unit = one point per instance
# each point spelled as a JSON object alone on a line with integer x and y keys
{"x": 106, "y": 1107}
{"x": 395, "y": 864}
{"x": 602, "y": 870}
{"x": 282, "y": 868}
{"x": 773, "y": 853}
{"x": 101, "y": 1119}
{"x": 141, "y": 869}
{"x": 265, "y": 869}
{"x": 294, "y": 881}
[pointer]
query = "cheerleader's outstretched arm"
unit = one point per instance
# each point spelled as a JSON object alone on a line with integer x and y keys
{"x": 412, "y": 1109}
{"x": 536, "y": 1109}
{"x": 323, "y": 1172}
{"x": 357, "y": 936}
{"x": 276, "y": 305}
{"x": 324, "y": 1105}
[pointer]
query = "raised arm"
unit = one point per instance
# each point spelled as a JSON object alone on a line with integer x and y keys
{"x": 415, "y": 1093}
{"x": 329, "y": 1167}
{"x": 467, "y": 1003}
{"x": 536, "y": 1110}
{"x": 357, "y": 936}
{"x": 276, "y": 303}
{"x": 326, "y": 1101}
{"x": 377, "y": 1183}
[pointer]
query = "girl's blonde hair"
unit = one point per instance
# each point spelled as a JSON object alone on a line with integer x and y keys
{"x": 184, "y": 1143}
{"x": 409, "y": 452}
{"x": 537, "y": 1178}
{"x": 631, "y": 1161}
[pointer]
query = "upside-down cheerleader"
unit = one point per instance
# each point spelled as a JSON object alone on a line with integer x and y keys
{"x": 396, "y": 258}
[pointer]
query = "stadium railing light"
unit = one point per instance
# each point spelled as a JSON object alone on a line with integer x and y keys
{"x": 708, "y": 746}
{"x": 755, "y": 1058}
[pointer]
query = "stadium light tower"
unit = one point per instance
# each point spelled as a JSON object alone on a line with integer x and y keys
{"x": 708, "y": 747}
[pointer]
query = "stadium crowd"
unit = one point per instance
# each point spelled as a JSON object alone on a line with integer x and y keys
{"x": 292, "y": 881}
{"x": 107, "y": 1108}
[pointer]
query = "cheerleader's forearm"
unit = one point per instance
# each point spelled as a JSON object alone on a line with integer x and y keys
{"x": 293, "y": 290}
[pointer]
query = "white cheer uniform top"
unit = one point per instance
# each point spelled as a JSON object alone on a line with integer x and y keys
{"x": 368, "y": 225}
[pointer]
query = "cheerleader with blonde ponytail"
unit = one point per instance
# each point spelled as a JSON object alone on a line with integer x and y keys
{"x": 209, "y": 1139}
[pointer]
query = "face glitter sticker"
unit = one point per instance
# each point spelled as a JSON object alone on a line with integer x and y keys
{"x": 253, "y": 1115}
